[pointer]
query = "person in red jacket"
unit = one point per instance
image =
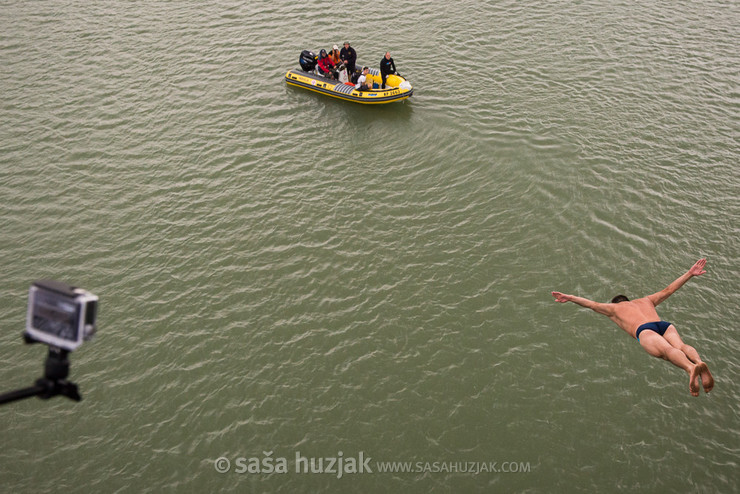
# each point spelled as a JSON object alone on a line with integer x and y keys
{"x": 326, "y": 66}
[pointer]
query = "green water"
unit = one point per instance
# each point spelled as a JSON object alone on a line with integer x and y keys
{"x": 283, "y": 275}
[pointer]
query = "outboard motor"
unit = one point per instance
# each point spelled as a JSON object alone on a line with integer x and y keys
{"x": 308, "y": 60}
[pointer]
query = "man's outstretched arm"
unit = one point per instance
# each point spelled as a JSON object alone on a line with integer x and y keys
{"x": 606, "y": 309}
{"x": 696, "y": 270}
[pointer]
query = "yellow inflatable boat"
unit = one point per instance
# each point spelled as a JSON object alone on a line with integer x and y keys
{"x": 396, "y": 87}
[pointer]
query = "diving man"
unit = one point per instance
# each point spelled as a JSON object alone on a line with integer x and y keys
{"x": 659, "y": 338}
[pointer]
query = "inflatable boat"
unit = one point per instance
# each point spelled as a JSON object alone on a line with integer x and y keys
{"x": 396, "y": 87}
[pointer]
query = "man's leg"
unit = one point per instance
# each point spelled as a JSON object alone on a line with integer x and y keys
{"x": 672, "y": 336}
{"x": 657, "y": 346}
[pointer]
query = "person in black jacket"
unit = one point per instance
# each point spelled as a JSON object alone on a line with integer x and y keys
{"x": 387, "y": 67}
{"x": 349, "y": 57}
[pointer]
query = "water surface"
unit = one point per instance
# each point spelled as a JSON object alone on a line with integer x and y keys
{"x": 283, "y": 273}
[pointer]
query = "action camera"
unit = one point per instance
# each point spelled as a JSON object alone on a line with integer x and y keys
{"x": 60, "y": 315}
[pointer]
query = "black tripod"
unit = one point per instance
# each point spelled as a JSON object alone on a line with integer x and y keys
{"x": 54, "y": 382}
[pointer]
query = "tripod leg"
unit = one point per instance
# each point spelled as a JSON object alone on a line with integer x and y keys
{"x": 21, "y": 394}
{"x": 70, "y": 390}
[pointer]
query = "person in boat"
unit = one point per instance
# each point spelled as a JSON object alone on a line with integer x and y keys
{"x": 659, "y": 338}
{"x": 326, "y": 66}
{"x": 336, "y": 59}
{"x": 387, "y": 67}
{"x": 348, "y": 55}
{"x": 362, "y": 84}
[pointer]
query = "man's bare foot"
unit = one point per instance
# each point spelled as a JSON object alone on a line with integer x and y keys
{"x": 706, "y": 377}
{"x": 694, "y": 377}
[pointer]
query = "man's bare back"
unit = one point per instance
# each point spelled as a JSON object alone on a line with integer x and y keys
{"x": 631, "y": 314}
{"x": 659, "y": 338}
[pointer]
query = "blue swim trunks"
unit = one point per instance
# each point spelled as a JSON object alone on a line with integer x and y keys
{"x": 659, "y": 327}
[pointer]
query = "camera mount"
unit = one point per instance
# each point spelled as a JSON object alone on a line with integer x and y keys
{"x": 54, "y": 382}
